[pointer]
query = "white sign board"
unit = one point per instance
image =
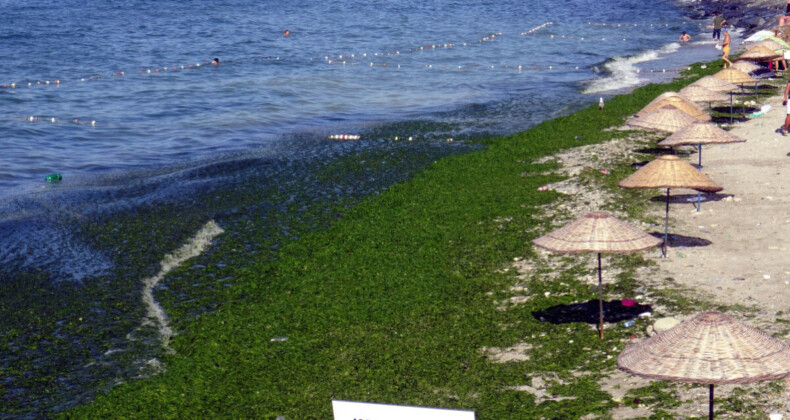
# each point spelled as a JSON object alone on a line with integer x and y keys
{"x": 350, "y": 410}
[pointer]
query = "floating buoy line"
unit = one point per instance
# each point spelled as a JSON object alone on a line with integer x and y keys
{"x": 115, "y": 75}
{"x": 396, "y": 138}
{"x": 636, "y": 25}
{"x": 360, "y": 58}
{"x": 54, "y": 120}
{"x": 354, "y": 59}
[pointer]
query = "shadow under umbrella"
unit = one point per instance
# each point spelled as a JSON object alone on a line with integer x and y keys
{"x": 684, "y": 241}
{"x": 652, "y": 151}
{"x": 587, "y": 312}
{"x": 689, "y": 198}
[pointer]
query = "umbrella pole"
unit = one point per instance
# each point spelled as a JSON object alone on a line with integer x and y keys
{"x": 699, "y": 167}
{"x": 710, "y": 405}
{"x": 743, "y": 104}
{"x": 666, "y": 227}
{"x": 600, "y": 299}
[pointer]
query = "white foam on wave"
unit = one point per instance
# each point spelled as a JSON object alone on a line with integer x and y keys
{"x": 155, "y": 315}
{"x": 623, "y": 72}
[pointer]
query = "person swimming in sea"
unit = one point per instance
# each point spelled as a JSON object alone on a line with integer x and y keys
{"x": 215, "y": 61}
{"x": 287, "y": 33}
{"x": 684, "y": 37}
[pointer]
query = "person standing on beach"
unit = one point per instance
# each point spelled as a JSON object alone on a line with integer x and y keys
{"x": 783, "y": 130}
{"x": 725, "y": 49}
{"x": 718, "y": 23}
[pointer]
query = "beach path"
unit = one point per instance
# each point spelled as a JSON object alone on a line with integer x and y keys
{"x": 747, "y": 224}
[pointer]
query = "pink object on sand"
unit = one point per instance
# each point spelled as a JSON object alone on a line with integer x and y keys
{"x": 628, "y": 302}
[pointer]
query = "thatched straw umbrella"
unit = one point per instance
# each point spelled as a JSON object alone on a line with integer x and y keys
{"x": 700, "y": 133}
{"x": 601, "y": 233}
{"x": 780, "y": 47}
{"x": 736, "y": 77}
{"x": 712, "y": 349}
{"x": 773, "y": 45}
{"x": 759, "y": 53}
{"x": 745, "y": 66}
{"x": 715, "y": 84}
{"x": 667, "y": 118}
{"x": 696, "y": 93}
{"x": 763, "y": 51}
{"x": 669, "y": 172}
{"x": 679, "y": 102}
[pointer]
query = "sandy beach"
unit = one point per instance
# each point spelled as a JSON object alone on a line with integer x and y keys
{"x": 731, "y": 253}
{"x": 735, "y": 248}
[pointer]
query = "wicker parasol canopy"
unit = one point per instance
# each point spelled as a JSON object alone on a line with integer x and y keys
{"x": 667, "y": 118}
{"x": 696, "y": 93}
{"x": 715, "y": 84}
{"x": 601, "y": 233}
{"x": 670, "y": 171}
{"x": 735, "y": 77}
{"x": 700, "y": 133}
{"x": 597, "y": 232}
{"x": 745, "y": 66}
{"x": 679, "y": 102}
{"x": 772, "y": 45}
{"x": 711, "y": 348}
{"x": 759, "y": 53}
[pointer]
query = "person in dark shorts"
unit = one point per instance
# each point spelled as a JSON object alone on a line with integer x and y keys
{"x": 718, "y": 23}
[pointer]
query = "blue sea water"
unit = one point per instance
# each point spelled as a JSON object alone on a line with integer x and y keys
{"x": 120, "y": 98}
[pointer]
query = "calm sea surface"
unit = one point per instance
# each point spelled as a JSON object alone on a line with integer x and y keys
{"x": 120, "y": 98}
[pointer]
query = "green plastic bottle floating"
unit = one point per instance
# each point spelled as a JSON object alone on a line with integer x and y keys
{"x": 53, "y": 178}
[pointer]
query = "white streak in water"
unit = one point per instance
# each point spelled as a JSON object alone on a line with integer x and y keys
{"x": 154, "y": 312}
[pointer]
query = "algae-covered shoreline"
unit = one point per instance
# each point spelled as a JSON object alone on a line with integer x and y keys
{"x": 397, "y": 300}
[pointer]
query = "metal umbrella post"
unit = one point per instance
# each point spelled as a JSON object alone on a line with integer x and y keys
{"x": 699, "y": 166}
{"x": 600, "y": 299}
{"x": 666, "y": 228}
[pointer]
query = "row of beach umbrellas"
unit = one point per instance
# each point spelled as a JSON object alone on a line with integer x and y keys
{"x": 712, "y": 348}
